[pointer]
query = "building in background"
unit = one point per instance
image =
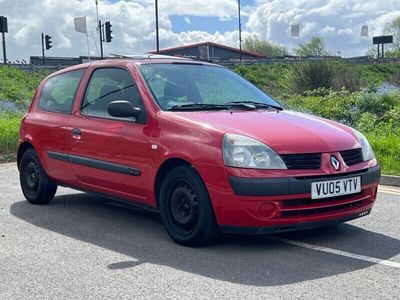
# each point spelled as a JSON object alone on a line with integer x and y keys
{"x": 211, "y": 52}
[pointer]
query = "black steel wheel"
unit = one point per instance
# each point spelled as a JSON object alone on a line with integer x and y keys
{"x": 186, "y": 209}
{"x": 36, "y": 186}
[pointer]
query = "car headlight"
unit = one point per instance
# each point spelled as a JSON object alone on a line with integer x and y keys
{"x": 244, "y": 152}
{"x": 366, "y": 148}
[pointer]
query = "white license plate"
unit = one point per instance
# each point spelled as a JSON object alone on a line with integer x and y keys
{"x": 337, "y": 187}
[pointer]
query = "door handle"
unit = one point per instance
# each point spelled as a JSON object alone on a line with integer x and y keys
{"x": 76, "y": 133}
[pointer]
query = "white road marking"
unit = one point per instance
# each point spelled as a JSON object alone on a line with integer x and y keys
{"x": 373, "y": 260}
{"x": 391, "y": 193}
{"x": 389, "y": 188}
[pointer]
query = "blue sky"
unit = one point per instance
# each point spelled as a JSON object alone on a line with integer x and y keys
{"x": 184, "y": 22}
{"x": 208, "y": 24}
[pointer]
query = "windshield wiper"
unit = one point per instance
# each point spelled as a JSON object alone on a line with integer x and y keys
{"x": 253, "y": 104}
{"x": 197, "y": 106}
{"x": 248, "y": 105}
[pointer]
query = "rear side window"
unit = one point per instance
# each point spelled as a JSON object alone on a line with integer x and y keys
{"x": 59, "y": 92}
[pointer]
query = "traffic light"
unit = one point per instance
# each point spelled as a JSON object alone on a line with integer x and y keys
{"x": 108, "y": 31}
{"x": 3, "y": 24}
{"x": 47, "y": 39}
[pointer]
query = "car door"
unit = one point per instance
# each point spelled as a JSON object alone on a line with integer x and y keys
{"x": 111, "y": 155}
{"x": 48, "y": 122}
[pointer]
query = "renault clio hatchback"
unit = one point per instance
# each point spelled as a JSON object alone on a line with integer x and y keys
{"x": 196, "y": 142}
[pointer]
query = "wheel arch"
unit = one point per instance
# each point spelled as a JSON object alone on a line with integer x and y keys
{"x": 163, "y": 170}
{"x": 21, "y": 150}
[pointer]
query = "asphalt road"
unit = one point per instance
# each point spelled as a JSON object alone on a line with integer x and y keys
{"x": 80, "y": 247}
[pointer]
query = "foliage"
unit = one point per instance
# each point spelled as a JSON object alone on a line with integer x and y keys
{"x": 9, "y": 127}
{"x": 279, "y": 80}
{"x": 269, "y": 77}
{"x": 309, "y": 76}
{"x": 17, "y": 85}
{"x": 315, "y": 47}
{"x": 393, "y": 28}
{"x": 392, "y": 54}
{"x": 252, "y": 43}
{"x": 387, "y": 151}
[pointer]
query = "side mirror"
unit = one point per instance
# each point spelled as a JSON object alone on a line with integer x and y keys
{"x": 123, "y": 109}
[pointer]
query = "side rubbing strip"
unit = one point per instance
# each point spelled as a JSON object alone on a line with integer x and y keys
{"x": 58, "y": 155}
{"x": 95, "y": 163}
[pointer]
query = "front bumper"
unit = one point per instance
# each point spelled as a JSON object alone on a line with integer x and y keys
{"x": 293, "y": 185}
{"x": 270, "y": 203}
{"x": 290, "y": 228}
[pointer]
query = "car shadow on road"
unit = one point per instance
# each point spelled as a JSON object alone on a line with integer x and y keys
{"x": 250, "y": 260}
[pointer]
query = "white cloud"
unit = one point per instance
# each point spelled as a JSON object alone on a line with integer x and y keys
{"x": 337, "y": 21}
{"x": 187, "y": 20}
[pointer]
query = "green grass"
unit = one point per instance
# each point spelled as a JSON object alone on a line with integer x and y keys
{"x": 17, "y": 85}
{"x": 387, "y": 152}
{"x": 9, "y": 128}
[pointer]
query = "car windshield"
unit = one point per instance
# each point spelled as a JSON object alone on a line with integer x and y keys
{"x": 189, "y": 87}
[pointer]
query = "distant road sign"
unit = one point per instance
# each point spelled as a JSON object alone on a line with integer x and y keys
{"x": 295, "y": 30}
{"x": 364, "y": 30}
{"x": 383, "y": 39}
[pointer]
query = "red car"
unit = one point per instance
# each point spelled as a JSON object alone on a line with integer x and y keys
{"x": 193, "y": 140}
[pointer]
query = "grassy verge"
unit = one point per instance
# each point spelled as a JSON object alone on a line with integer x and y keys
{"x": 9, "y": 127}
{"x": 387, "y": 151}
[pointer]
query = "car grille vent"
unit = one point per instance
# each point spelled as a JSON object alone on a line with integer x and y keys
{"x": 307, "y": 212}
{"x": 352, "y": 157}
{"x": 309, "y": 161}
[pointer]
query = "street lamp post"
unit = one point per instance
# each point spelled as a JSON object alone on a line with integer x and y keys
{"x": 240, "y": 33}
{"x": 157, "y": 36}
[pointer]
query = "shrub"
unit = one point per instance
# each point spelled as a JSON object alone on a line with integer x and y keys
{"x": 306, "y": 76}
{"x": 377, "y": 104}
{"x": 347, "y": 79}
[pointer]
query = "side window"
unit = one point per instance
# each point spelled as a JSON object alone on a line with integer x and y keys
{"x": 59, "y": 92}
{"x": 107, "y": 85}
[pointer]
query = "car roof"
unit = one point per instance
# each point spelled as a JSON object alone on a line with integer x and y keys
{"x": 125, "y": 60}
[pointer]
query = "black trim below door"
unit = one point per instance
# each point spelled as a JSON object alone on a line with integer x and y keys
{"x": 94, "y": 163}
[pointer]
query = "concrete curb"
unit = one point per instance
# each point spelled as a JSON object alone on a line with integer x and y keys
{"x": 390, "y": 180}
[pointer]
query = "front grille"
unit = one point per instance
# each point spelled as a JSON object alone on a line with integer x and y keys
{"x": 352, "y": 157}
{"x": 308, "y": 201}
{"x": 321, "y": 210}
{"x": 331, "y": 176}
{"x": 309, "y": 161}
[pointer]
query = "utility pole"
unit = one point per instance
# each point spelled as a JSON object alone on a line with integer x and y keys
{"x": 97, "y": 11}
{"x": 240, "y": 33}
{"x": 4, "y": 47}
{"x": 101, "y": 39}
{"x": 43, "y": 61}
{"x": 157, "y": 36}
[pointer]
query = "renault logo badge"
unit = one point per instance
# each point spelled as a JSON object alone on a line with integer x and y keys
{"x": 335, "y": 163}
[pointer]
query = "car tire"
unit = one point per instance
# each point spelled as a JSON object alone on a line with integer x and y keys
{"x": 186, "y": 209}
{"x": 36, "y": 186}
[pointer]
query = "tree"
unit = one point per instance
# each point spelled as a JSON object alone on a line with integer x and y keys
{"x": 393, "y": 28}
{"x": 315, "y": 47}
{"x": 264, "y": 47}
